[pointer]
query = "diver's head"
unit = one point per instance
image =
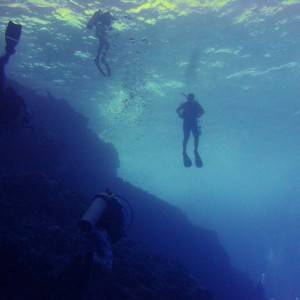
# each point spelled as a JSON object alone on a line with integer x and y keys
{"x": 191, "y": 97}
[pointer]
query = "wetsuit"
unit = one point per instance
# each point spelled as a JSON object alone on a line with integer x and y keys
{"x": 102, "y": 22}
{"x": 101, "y": 33}
{"x": 190, "y": 111}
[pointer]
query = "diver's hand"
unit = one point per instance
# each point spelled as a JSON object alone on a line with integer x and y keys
{"x": 180, "y": 115}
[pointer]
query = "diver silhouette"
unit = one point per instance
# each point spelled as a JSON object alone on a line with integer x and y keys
{"x": 190, "y": 111}
{"x": 102, "y": 22}
{"x": 104, "y": 223}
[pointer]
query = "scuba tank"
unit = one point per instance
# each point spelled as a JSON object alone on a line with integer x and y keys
{"x": 107, "y": 212}
{"x": 93, "y": 213}
{"x": 94, "y": 19}
{"x": 104, "y": 18}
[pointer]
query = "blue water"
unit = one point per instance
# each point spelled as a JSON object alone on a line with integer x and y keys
{"x": 240, "y": 58}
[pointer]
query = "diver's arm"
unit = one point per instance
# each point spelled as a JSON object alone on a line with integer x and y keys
{"x": 179, "y": 110}
{"x": 200, "y": 111}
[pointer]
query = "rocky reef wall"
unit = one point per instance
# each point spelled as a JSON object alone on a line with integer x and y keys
{"x": 49, "y": 175}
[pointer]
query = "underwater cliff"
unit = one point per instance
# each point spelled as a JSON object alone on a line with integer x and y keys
{"x": 49, "y": 175}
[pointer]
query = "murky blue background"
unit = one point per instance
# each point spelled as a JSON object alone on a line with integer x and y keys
{"x": 240, "y": 58}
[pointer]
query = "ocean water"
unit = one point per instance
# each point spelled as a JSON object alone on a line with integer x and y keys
{"x": 240, "y": 58}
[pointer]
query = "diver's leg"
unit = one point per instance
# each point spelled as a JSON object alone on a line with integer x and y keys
{"x": 103, "y": 254}
{"x": 196, "y": 142}
{"x": 103, "y": 60}
{"x": 3, "y": 61}
{"x": 106, "y": 45}
{"x": 103, "y": 57}
{"x": 99, "y": 51}
{"x": 196, "y": 134}
{"x": 99, "y": 56}
{"x": 186, "y": 136}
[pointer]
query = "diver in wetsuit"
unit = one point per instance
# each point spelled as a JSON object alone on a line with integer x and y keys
{"x": 102, "y": 22}
{"x": 190, "y": 111}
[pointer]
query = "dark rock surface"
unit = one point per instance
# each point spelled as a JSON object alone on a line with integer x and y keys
{"x": 48, "y": 177}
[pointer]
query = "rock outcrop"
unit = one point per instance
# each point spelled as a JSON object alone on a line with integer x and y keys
{"x": 48, "y": 177}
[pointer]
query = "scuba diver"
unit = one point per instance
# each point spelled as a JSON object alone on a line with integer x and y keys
{"x": 105, "y": 223}
{"x": 13, "y": 109}
{"x": 102, "y": 22}
{"x": 190, "y": 111}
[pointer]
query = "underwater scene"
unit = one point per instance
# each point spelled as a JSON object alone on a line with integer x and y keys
{"x": 150, "y": 149}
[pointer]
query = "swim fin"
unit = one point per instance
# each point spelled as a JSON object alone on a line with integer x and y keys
{"x": 108, "y": 70}
{"x": 12, "y": 36}
{"x": 99, "y": 67}
{"x": 198, "y": 160}
{"x": 186, "y": 160}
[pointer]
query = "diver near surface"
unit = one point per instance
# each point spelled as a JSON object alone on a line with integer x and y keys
{"x": 102, "y": 22}
{"x": 190, "y": 111}
{"x": 13, "y": 109}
